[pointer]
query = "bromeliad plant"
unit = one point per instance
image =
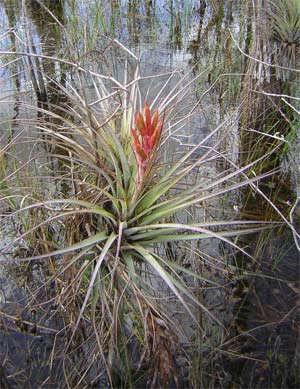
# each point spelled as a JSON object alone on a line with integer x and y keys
{"x": 122, "y": 211}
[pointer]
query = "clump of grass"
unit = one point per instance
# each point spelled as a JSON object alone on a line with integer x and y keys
{"x": 118, "y": 218}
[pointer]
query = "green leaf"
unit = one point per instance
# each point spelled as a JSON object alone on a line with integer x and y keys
{"x": 128, "y": 259}
{"x": 203, "y": 233}
{"x": 150, "y": 259}
{"x": 91, "y": 241}
{"x": 109, "y": 242}
{"x": 162, "y": 228}
{"x": 157, "y": 237}
{"x": 91, "y": 207}
{"x": 126, "y": 171}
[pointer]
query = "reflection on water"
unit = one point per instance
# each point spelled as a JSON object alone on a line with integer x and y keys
{"x": 167, "y": 34}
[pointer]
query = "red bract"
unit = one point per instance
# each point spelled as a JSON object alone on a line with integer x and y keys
{"x": 146, "y": 136}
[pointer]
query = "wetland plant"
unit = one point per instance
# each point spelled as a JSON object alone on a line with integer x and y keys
{"x": 120, "y": 210}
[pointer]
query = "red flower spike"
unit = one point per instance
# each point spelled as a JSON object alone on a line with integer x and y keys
{"x": 146, "y": 136}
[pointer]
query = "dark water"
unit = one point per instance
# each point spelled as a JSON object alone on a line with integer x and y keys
{"x": 261, "y": 349}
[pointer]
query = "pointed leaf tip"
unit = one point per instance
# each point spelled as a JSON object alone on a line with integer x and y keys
{"x": 140, "y": 124}
{"x": 154, "y": 121}
{"x": 148, "y": 119}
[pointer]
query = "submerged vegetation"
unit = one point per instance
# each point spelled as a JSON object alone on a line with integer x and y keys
{"x": 135, "y": 238}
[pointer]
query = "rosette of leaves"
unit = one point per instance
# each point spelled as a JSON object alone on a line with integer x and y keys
{"x": 118, "y": 218}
